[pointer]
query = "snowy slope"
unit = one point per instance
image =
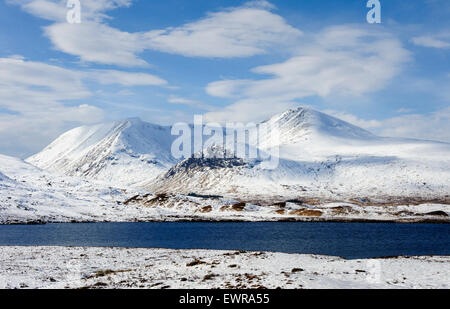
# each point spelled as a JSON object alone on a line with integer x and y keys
{"x": 303, "y": 124}
{"x": 121, "y": 153}
{"x": 29, "y": 194}
{"x": 321, "y": 156}
{"x": 5, "y": 179}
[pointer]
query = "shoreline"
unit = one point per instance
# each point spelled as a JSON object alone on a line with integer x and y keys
{"x": 245, "y": 220}
{"x": 207, "y": 208}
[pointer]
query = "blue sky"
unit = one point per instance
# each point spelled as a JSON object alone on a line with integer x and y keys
{"x": 231, "y": 60}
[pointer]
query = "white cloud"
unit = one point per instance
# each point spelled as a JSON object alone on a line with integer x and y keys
{"x": 179, "y": 100}
{"x": 243, "y": 31}
{"x": 95, "y": 42}
{"x": 109, "y": 77}
{"x": 341, "y": 60}
{"x": 50, "y": 10}
{"x": 34, "y": 93}
{"x": 27, "y": 81}
{"x": 433, "y": 41}
{"x": 24, "y": 134}
{"x": 249, "y": 110}
{"x": 238, "y": 32}
{"x": 357, "y": 121}
{"x": 37, "y": 101}
{"x": 56, "y": 10}
{"x": 41, "y": 82}
{"x": 430, "y": 126}
{"x": 404, "y": 110}
{"x": 183, "y": 101}
{"x": 229, "y": 88}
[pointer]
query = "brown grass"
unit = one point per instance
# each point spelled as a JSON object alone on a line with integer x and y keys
{"x": 310, "y": 201}
{"x": 238, "y": 207}
{"x": 306, "y": 213}
{"x": 340, "y": 210}
{"x": 206, "y": 209}
{"x": 194, "y": 263}
{"x": 106, "y": 272}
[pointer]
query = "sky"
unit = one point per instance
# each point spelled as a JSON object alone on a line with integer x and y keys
{"x": 229, "y": 60}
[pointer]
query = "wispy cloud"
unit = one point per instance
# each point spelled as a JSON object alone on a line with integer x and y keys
{"x": 237, "y": 32}
{"x": 183, "y": 101}
{"x": 96, "y": 42}
{"x": 40, "y": 100}
{"x": 56, "y": 10}
{"x": 243, "y": 31}
{"x": 429, "y": 126}
{"x": 110, "y": 77}
{"x": 341, "y": 60}
{"x": 433, "y": 41}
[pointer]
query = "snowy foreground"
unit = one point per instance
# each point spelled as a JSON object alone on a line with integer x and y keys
{"x": 67, "y": 267}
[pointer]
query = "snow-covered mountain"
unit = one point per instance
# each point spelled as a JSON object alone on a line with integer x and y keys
{"x": 28, "y": 194}
{"x": 123, "y": 153}
{"x": 320, "y": 156}
{"x": 327, "y": 168}
{"x": 302, "y": 124}
{"x": 4, "y": 178}
{"x": 31, "y": 195}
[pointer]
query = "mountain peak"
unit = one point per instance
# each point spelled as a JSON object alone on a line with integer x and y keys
{"x": 298, "y": 110}
{"x": 317, "y": 152}
{"x": 124, "y": 152}
{"x": 303, "y": 122}
{"x": 134, "y": 120}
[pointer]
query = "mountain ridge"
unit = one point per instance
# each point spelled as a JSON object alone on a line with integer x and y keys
{"x": 319, "y": 155}
{"x": 129, "y": 151}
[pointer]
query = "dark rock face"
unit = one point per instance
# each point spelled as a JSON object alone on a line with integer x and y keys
{"x": 203, "y": 196}
{"x": 437, "y": 213}
{"x": 210, "y": 163}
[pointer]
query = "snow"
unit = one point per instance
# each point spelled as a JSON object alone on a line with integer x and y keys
{"x": 90, "y": 173}
{"x": 123, "y": 172}
{"x": 319, "y": 156}
{"x": 4, "y": 178}
{"x": 29, "y": 194}
{"x": 122, "y": 153}
{"x": 218, "y": 208}
{"x": 323, "y": 157}
{"x": 69, "y": 267}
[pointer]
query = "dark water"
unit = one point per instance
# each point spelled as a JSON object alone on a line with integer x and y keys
{"x": 349, "y": 240}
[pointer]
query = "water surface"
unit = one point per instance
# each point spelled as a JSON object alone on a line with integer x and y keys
{"x": 349, "y": 240}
